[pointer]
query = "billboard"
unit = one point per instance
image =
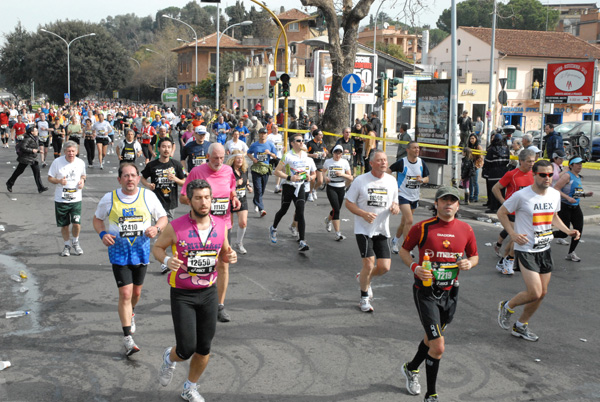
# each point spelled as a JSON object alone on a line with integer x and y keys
{"x": 433, "y": 118}
{"x": 571, "y": 82}
{"x": 169, "y": 97}
{"x": 365, "y": 66}
{"x": 409, "y": 88}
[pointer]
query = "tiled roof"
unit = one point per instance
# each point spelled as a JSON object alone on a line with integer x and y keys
{"x": 550, "y": 44}
{"x": 210, "y": 41}
{"x": 293, "y": 14}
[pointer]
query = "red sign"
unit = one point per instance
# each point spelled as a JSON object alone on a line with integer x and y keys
{"x": 196, "y": 99}
{"x": 570, "y": 82}
{"x": 273, "y": 78}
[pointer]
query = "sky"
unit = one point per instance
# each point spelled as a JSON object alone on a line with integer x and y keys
{"x": 32, "y": 13}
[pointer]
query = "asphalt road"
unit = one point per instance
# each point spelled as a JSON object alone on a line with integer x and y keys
{"x": 297, "y": 333}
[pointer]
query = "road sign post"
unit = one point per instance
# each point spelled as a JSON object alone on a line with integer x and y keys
{"x": 351, "y": 83}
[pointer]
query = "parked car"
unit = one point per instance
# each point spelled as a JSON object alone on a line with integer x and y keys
{"x": 534, "y": 133}
{"x": 575, "y": 127}
{"x": 596, "y": 148}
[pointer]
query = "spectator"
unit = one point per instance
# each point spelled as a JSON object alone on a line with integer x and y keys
{"x": 494, "y": 167}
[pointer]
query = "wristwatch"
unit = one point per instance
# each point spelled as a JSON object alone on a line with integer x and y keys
{"x": 158, "y": 229}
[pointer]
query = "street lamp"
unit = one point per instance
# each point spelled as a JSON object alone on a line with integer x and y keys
{"x": 139, "y": 69}
{"x": 68, "y": 55}
{"x": 166, "y": 65}
{"x": 195, "y": 41}
{"x": 219, "y": 36}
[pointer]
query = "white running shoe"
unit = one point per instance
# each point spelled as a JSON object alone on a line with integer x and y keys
{"x": 328, "y": 224}
{"x": 310, "y": 197}
{"x": 132, "y": 323}
{"x": 500, "y": 264}
{"x": 165, "y": 372}
{"x": 241, "y": 248}
{"x": 395, "y": 246}
{"x": 294, "y": 231}
{"x": 572, "y": 257}
{"x": 369, "y": 289}
{"x": 192, "y": 395}
{"x": 130, "y": 346}
{"x": 365, "y": 305}
{"x": 314, "y": 194}
{"x": 77, "y": 250}
{"x": 339, "y": 237}
{"x": 508, "y": 267}
{"x": 564, "y": 242}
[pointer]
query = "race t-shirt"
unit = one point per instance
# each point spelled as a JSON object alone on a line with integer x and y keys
{"x": 72, "y": 171}
{"x": 331, "y": 168}
{"x": 373, "y": 194}
{"x": 258, "y": 150}
{"x": 166, "y": 190}
{"x": 444, "y": 242}
{"x": 516, "y": 180}
{"x": 43, "y": 132}
{"x": 277, "y": 140}
{"x": 533, "y": 217}
{"x": 408, "y": 185}
{"x": 196, "y": 154}
{"x": 102, "y": 129}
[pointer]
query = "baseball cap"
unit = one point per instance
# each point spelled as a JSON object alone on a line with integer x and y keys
{"x": 338, "y": 148}
{"x": 262, "y": 130}
{"x": 558, "y": 154}
{"x": 535, "y": 149}
{"x": 447, "y": 190}
{"x": 201, "y": 130}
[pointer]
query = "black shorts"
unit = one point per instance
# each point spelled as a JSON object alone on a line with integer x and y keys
{"x": 44, "y": 143}
{"x": 319, "y": 164}
{"x": 435, "y": 314}
{"x": 413, "y": 204}
{"x": 103, "y": 141}
{"x": 128, "y": 274}
{"x": 244, "y": 207}
{"x": 377, "y": 246}
{"x": 540, "y": 262}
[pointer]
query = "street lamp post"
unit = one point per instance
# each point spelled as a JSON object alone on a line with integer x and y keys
{"x": 219, "y": 36}
{"x": 195, "y": 41}
{"x": 68, "y": 55}
{"x": 166, "y": 65}
{"x": 139, "y": 69}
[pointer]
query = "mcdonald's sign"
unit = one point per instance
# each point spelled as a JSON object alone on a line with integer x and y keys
{"x": 301, "y": 88}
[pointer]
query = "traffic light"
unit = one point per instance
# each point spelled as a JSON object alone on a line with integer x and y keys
{"x": 213, "y": 89}
{"x": 280, "y": 91}
{"x": 271, "y": 91}
{"x": 379, "y": 88}
{"x": 285, "y": 85}
{"x": 393, "y": 87}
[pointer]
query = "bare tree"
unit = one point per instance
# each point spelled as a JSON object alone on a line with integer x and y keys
{"x": 342, "y": 53}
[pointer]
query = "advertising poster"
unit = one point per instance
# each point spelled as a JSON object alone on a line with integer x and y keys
{"x": 433, "y": 118}
{"x": 365, "y": 66}
{"x": 409, "y": 89}
{"x": 571, "y": 82}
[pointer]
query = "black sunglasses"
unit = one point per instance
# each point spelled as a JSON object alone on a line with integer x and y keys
{"x": 544, "y": 175}
{"x": 298, "y": 140}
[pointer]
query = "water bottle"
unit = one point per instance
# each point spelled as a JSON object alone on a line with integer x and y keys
{"x": 16, "y": 278}
{"x": 23, "y": 275}
{"x": 4, "y": 365}
{"x": 20, "y": 313}
{"x": 426, "y": 266}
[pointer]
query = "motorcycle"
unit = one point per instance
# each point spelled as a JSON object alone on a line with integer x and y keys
{"x": 579, "y": 145}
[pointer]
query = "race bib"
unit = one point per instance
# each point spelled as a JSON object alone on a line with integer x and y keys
{"x": 68, "y": 194}
{"x": 201, "y": 262}
{"x": 279, "y": 147}
{"x": 129, "y": 155}
{"x": 377, "y": 197}
{"x": 578, "y": 192}
{"x": 333, "y": 170}
{"x": 131, "y": 226}
{"x": 199, "y": 160}
{"x": 4, "y": 126}
{"x": 445, "y": 274}
{"x": 20, "y": 138}
{"x": 320, "y": 155}
{"x": 542, "y": 239}
{"x": 219, "y": 206}
{"x": 347, "y": 156}
{"x": 240, "y": 192}
{"x": 412, "y": 182}
{"x": 262, "y": 157}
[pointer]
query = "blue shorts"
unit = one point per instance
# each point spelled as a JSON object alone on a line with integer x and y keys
{"x": 413, "y": 204}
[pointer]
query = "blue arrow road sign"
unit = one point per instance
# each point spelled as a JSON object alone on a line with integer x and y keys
{"x": 351, "y": 83}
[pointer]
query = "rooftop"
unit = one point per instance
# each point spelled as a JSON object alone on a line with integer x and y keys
{"x": 516, "y": 42}
{"x": 210, "y": 41}
{"x": 293, "y": 14}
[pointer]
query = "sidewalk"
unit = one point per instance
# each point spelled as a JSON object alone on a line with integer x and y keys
{"x": 590, "y": 206}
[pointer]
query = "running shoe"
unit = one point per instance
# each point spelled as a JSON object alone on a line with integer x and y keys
{"x": 412, "y": 380}
{"x": 241, "y": 248}
{"x": 572, "y": 257}
{"x": 564, "y": 242}
{"x": 66, "y": 251}
{"x": 497, "y": 249}
{"x": 277, "y": 189}
{"x": 310, "y": 198}
{"x": 102, "y": 166}
{"x": 395, "y": 246}
{"x": 302, "y": 246}
{"x": 369, "y": 289}
{"x": 500, "y": 265}
{"x": 294, "y": 231}
{"x": 273, "y": 234}
{"x": 431, "y": 398}
{"x": 314, "y": 194}
{"x": 339, "y": 237}
{"x": 44, "y": 164}
{"x": 165, "y": 372}
{"x": 504, "y": 315}
{"x": 77, "y": 250}
{"x": 163, "y": 269}
{"x": 365, "y": 305}
{"x": 328, "y": 224}
{"x": 91, "y": 166}
{"x": 130, "y": 346}
{"x": 524, "y": 332}
{"x": 256, "y": 209}
{"x": 41, "y": 190}
{"x": 192, "y": 395}
{"x": 132, "y": 323}
{"x": 222, "y": 315}
{"x": 263, "y": 213}
{"x": 508, "y": 266}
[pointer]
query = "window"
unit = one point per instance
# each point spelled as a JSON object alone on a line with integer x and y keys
{"x": 511, "y": 78}
{"x": 294, "y": 27}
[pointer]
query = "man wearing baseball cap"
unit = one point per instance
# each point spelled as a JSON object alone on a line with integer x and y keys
{"x": 451, "y": 247}
{"x": 196, "y": 151}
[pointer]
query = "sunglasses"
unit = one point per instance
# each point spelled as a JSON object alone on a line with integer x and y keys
{"x": 544, "y": 175}
{"x": 298, "y": 140}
